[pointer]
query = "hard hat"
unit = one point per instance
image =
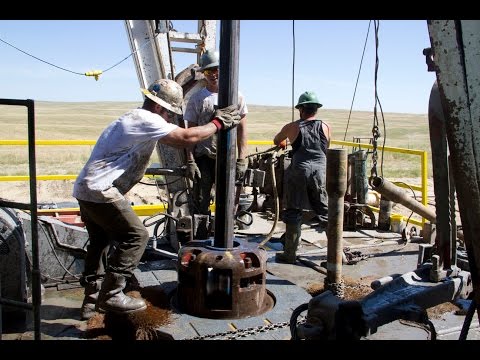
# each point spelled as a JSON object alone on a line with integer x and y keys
{"x": 308, "y": 97}
{"x": 209, "y": 60}
{"x": 167, "y": 93}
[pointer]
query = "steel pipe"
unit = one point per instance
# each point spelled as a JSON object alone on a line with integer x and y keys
{"x": 227, "y": 138}
{"x": 396, "y": 194}
{"x": 336, "y": 187}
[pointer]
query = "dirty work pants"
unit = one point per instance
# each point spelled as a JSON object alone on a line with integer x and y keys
{"x": 306, "y": 190}
{"x": 113, "y": 222}
{"x": 202, "y": 187}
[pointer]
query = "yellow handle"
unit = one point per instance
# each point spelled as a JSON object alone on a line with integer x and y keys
{"x": 95, "y": 73}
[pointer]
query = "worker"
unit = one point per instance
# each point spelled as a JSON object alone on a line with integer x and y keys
{"x": 201, "y": 157}
{"x": 305, "y": 178}
{"x": 118, "y": 162}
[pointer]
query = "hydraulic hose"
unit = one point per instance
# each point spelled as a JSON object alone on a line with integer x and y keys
{"x": 275, "y": 197}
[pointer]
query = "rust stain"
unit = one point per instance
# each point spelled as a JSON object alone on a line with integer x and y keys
{"x": 140, "y": 325}
{"x": 354, "y": 289}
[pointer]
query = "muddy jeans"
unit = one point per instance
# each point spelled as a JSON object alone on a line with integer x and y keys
{"x": 113, "y": 222}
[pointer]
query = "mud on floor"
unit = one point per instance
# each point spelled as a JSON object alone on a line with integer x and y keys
{"x": 135, "y": 326}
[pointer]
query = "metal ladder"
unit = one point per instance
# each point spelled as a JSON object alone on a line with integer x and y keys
{"x": 151, "y": 44}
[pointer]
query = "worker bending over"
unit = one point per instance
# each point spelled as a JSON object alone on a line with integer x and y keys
{"x": 117, "y": 163}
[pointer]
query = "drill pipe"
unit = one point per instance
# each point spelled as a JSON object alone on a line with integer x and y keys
{"x": 395, "y": 194}
{"x": 336, "y": 187}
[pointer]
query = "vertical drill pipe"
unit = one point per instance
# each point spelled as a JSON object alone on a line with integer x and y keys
{"x": 336, "y": 186}
{"x": 227, "y": 138}
{"x": 384, "y": 214}
{"x": 361, "y": 185}
{"x": 351, "y": 192}
{"x": 441, "y": 186}
{"x": 396, "y": 194}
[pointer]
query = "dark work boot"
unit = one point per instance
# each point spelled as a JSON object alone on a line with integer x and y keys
{"x": 293, "y": 234}
{"x": 282, "y": 241}
{"x": 91, "y": 294}
{"x": 112, "y": 299}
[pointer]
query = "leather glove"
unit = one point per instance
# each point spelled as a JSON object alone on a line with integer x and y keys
{"x": 192, "y": 170}
{"x": 240, "y": 168}
{"x": 228, "y": 117}
{"x": 283, "y": 144}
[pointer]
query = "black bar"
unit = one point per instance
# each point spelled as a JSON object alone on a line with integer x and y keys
{"x": 36, "y": 280}
{"x": 227, "y": 139}
{"x": 16, "y": 102}
{"x": 13, "y": 204}
{"x": 15, "y": 303}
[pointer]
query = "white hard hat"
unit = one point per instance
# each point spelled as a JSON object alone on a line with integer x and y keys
{"x": 167, "y": 93}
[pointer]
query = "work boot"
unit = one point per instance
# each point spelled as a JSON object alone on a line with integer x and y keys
{"x": 91, "y": 294}
{"x": 111, "y": 297}
{"x": 292, "y": 239}
{"x": 282, "y": 241}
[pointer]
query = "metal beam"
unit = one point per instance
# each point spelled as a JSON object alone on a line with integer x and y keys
{"x": 456, "y": 52}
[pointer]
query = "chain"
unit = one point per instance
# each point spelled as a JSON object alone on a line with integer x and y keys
{"x": 242, "y": 333}
{"x": 376, "y": 135}
{"x": 375, "y": 128}
{"x": 338, "y": 289}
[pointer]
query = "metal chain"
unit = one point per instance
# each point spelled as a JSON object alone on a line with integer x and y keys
{"x": 241, "y": 333}
{"x": 375, "y": 128}
{"x": 338, "y": 289}
{"x": 376, "y": 135}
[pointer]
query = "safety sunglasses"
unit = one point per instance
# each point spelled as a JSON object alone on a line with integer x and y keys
{"x": 170, "y": 114}
{"x": 210, "y": 71}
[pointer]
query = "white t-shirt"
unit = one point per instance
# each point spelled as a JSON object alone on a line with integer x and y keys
{"x": 200, "y": 109}
{"x": 120, "y": 156}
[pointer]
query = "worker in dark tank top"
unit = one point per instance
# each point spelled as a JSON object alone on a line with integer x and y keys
{"x": 305, "y": 178}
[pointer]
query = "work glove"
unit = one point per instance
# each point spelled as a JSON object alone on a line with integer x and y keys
{"x": 226, "y": 117}
{"x": 240, "y": 168}
{"x": 192, "y": 170}
{"x": 283, "y": 144}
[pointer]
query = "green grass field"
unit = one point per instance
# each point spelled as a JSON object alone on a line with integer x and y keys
{"x": 85, "y": 121}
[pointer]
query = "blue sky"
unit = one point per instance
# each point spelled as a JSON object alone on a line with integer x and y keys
{"x": 327, "y": 60}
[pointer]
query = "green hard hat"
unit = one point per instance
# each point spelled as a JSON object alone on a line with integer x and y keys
{"x": 308, "y": 97}
{"x": 208, "y": 60}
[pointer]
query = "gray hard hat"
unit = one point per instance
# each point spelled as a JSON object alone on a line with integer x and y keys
{"x": 209, "y": 60}
{"x": 167, "y": 93}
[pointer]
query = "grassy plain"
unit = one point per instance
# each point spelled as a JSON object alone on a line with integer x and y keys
{"x": 85, "y": 121}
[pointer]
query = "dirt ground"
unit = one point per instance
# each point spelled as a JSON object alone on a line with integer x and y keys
{"x": 60, "y": 192}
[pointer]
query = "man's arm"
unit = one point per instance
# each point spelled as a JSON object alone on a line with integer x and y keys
{"x": 224, "y": 118}
{"x": 281, "y": 135}
{"x": 182, "y": 138}
{"x": 285, "y": 133}
{"x": 242, "y": 138}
